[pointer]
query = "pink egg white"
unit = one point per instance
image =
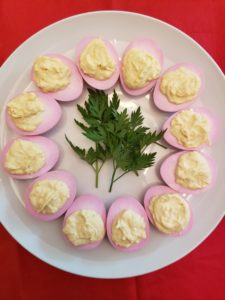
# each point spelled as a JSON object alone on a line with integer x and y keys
{"x": 49, "y": 148}
{"x": 59, "y": 175}
{"x": 74, "y": 89}
{"x": 162, "y": 102}
{"x": 51, "y": 116}
{"x": 168, "y": 167}
{"x": 150, "y": 46}
{"x": 213, "y": 134}
{"x": 159, "y": 190}
{"x": 124, "y": 203}
{"x": 89, "y": 202}
{"x": 98, "y": 84}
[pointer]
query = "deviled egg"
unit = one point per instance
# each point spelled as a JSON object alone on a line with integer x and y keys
{"x": 58, "y": 76}
{"x": 142, "y": 63}
{"x": 32, "y": 113}
{"x": 167, "y": 210}
{"x": 29, "y": 157}
{"x": 178, "y": 87}
{"x": 84, "y": 222}
{"x": 127, "y": 224}
{"x": 98, "y": 62}
{"x": 189, "y": 172}
{"x": 191, "y": 129}
{"x": 50, "y": 195}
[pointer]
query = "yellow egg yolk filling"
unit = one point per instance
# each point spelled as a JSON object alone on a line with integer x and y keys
{"x": 24, "y": 157}
{"x": 139, "y": 67}
{"x": 180, "y": 85}
{"x": 48, "y": 196}
{"x": 192, "y": 171}
{"x": 170, "y": 213}
{"x": 190, "y": 129}
{"x": 26, "y": 111}
{"x": 96, "y": 61}
{"x": 83, "y": 227}
{"x": 128, "y": 228}
{"x": 51, "y": 74}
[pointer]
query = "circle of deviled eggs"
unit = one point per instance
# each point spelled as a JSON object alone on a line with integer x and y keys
{"x": 127, "y": 224}
{"x": 189, "y": 172}
{"x": 84, "y": 222}
{"x": 50, "y": 195}
{"x": 29, "y": 157}
{"x": 32, "y": 113}
{"x": 167, "y": 210}
{"x": 58, "y": 76}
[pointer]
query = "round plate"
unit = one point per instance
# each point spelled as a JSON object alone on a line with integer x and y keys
{"x": 45, "y": 240}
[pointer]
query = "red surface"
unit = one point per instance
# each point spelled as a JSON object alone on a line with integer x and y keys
{"x": 201, "y": 274}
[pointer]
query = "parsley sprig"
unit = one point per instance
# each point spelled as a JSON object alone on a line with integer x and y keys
{"x": 116, "y": 135}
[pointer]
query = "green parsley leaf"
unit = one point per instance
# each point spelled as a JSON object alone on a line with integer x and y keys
{"x": 116, "y": 135}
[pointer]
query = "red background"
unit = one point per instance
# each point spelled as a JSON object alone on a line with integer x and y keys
{"x": 201, "y": 274}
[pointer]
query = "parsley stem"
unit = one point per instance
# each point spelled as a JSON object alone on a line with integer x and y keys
{"x": 97, "y": 170}
{"x": 112, "y": 178}
{"x": 143, "y": 150}
{"x": 96, "y": 174}
{"x": 160, "y": 145}
{"x": 121, "y": 176}
{"x": 101, "y": 166}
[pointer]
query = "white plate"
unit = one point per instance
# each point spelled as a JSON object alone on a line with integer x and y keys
{"x": 45, "y": 240}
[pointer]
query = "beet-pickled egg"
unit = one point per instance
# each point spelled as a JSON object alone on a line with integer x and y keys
{"x": 191, "y": 129}
{"x": 57, "y": 76}
{"x": 141, "y": 65}
{"x": 84, "y": 222}
{"x": 50, "y": 195}
{"x": 98, "y": 62}
{"x": 189, "y": 172}
{"x": 167, "y": 210}
{"x": 178, "y": 87}
{"x": 32, "y": 113}
{"x": 29, "y": 157}
{"x": 127, "y": 225}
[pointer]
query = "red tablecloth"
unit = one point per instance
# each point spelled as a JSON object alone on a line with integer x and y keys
{"x": 201, "y": 274}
